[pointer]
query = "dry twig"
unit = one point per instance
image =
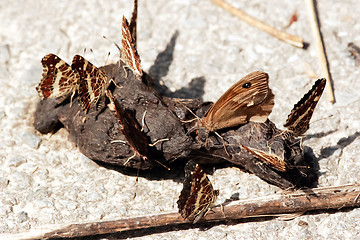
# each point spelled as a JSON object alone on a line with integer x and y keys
{"x": 320, "y": 49}
{"x": 284, "y": 203}
{"x": 283, "y": 36}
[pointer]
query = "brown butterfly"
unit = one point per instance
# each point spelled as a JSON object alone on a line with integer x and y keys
{"x": 133, "y": 22}
{"x": 129, "y": 54}
{"x": 59, "y": 80}
{"x": 270, "y": 158}
{"x": 250, "y": 99}
{"x": 92, "y": 81}
{"x": 197, "y": 195}
{"x": 298, "y": 121}
{"x": 136, "y": 138}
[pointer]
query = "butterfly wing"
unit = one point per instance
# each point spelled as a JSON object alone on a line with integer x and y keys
{"x": 133, "y": 21}
{"x": 250, "y": 99}
{"x": 58, "y": 79}
{"x": 271, "y": 159}
{"x": 136, "y": 138}
{"x": 92, "y": 81}
{"x": 128, "y": 53}
{"x": 298, "y": 121}
{"x": 197, "y": 195}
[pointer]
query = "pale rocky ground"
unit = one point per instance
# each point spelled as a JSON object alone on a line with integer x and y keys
{"x": 44, "y": 179}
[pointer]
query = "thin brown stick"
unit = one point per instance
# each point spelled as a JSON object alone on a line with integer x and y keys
{"x": 283, "y": 36}
{"x": 320, "y": 49}
{"x": 275, "y": 205}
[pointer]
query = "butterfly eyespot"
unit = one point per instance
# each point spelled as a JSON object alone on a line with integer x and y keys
{"x": 246, "y": 85}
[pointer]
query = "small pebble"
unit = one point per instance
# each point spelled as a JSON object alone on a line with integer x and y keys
{"x": 16, "y": 161}
{"x": 23, "y": 216}
{"x": 30, "y": 139}
{"x": 20, "y": 181}
{"x": 4, "y": 182}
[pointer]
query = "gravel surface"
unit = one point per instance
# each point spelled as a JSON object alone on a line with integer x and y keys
{"x": 44, "y": 179}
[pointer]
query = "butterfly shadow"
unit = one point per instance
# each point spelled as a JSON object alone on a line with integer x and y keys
{"x": 160, "y": 69}
{"x": 318, "y": 135}
{"x": 313, "y": 163}
{"x": 176, "y": 172}
{"x": 341, "y": 144}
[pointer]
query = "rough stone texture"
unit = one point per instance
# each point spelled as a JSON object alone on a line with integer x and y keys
{"x": 211, "y": 49}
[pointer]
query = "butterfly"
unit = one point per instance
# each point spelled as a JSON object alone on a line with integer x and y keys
{"x": 197, "y": 194}
{"x": 271, "y": 159}
{"x": 92, "y": 81}
{"x": 129, "y": 54}
{"x": 298, "y": 121}
{"x": 250, "y": 99}
{"x": 133, "y": 23}
{"x": 136, "y": 138}
{"x": 59, "y": 80}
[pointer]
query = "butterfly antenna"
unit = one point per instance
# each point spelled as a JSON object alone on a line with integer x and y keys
{"x": 166, "y": 167}
{"x": 95, "y": 59}
{"x": 107, "y": 58}
{"x": 116, "y": 45}
{"x": 331, "y": 115}
{"x": 196, "y": 116}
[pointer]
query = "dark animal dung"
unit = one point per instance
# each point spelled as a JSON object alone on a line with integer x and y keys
{"x": 149, "y": 130}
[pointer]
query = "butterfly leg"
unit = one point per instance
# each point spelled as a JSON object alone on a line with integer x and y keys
{"x": 113, "y": 81}
{"x": 125, "y": 71}
{"x": 130, "y": 158}
{"x": 223, "y": 141}
{"x": 158, "y": 141}
{"x": 301, "y": 142}
{"x": 143, "y": 122}
{"x": 222, "y": 210}
{"x": 71, "y": 98}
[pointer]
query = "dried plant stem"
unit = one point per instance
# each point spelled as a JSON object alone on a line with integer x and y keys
{"x": 283, "y": 36}
{"x": 320, "y": 49}
{"x": 275, "y": 205}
